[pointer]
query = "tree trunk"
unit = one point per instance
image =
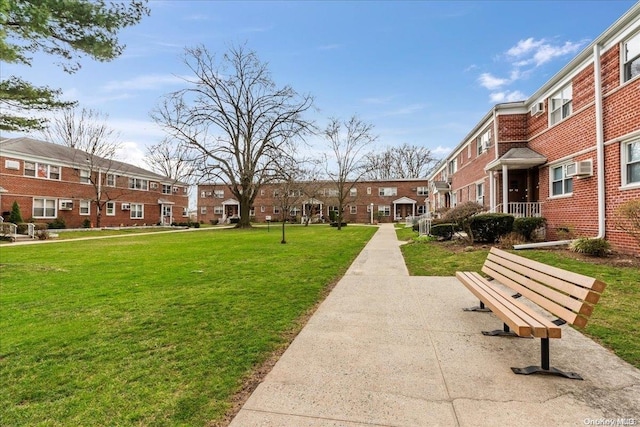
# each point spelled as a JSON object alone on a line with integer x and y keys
{"x": 245, "y": 207}
{"x": 283, "y": 241}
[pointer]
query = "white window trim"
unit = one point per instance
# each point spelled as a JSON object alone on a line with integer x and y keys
{"x": 353, "y": 210}
{"x": 623, "y": 166}
{"x": 113, "y": 209}
{"x": 132, "y": 211}
{"x": 81, "y": 204}
{"x": 564, "y": 177}
{"x": 55, "y": 207}
{"x": 623, "y": 62}
{"x": 552, "y": 110}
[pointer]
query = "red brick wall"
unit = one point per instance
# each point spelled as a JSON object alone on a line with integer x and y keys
{"x": 24, "y": 189}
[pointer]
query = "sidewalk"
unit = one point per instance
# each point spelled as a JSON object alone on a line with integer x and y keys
{"x": 387, "y": 349}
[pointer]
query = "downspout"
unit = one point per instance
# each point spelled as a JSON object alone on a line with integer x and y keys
{"x": 597, "y": 79}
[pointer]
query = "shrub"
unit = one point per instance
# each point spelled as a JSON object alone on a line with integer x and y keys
{"x": 628, "y": 218}
{"x": 592, "y": 247}
{"x": 214, "y": 221}
{"x": 443, "y": 231}
{"x": 461, "y": 216}
{"x": 489, "y": 227}
{"x": 86, "y": 223}
{"x": 526, "y": 226}
{"x": 57, "y": 223}
{"x": 508, "y": 241}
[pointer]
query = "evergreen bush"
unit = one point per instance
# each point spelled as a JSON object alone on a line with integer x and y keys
{"x": 490, "y": 227}
{"x": 526, "y": 226}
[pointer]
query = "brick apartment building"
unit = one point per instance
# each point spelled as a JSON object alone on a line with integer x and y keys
{"x": 382, "y": 201}
{"x": 51, "y": 181}
{"x": 570, "y": 153}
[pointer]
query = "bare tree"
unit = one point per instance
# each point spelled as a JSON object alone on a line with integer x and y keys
{"x": 237, "y": 120}
{"x": 171, "y": 159}
{"x": 347, "y": 140}
{"x": 403, "y": 162}
{"x": 289, "y": 189}
{"x": 96, "y": 146}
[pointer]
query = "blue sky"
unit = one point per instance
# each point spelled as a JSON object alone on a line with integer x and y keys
{"x": 422, "y": 72}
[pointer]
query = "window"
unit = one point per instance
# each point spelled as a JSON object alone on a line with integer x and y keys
{"x": 153, "y": 185}
{"x": 203, "y": 210}
{"x": 263, "y": 209}
{"x": 560, "y": 183}
{"x": 453, "y": 166}
{"x": 631, "y": 57}
{"x": 353, "y": 192}
{"x": 185, "y": 211}
{"x": 422, "y": 209}
{"x": 218, "y": 194}
{"x": 561, "y": 102}
{"x": 85, "y": 176}
{"x": 137, "y": 211}
{"x": 384, "y": 210}
{"x": 138, "y": 184}
{"x": 262, "y": 192}
{"x": 44, "y": 208}
{"x": 42, "y": 170}
{"x": 111, "y": 180}
{"x": 423, "y": 191}
{"x": 631, "y": 161}
{"x": 353, "y": 209}
{"x": 480, "y": 193}
{"x": 110, "y": 208}
{"x": 331, "y": 192}
{"x": 276, "y": 210}
{"x": 203, "y": 194}
{"x": 369, "y": 190}
{"x": 85, "y": 207}
{"x": 388, "y": 191}
{"x": 218, "y": 210}
{"x": 483, "y": 142}
{"x": 166, "y": 189}
{"x": 276, "y": 193}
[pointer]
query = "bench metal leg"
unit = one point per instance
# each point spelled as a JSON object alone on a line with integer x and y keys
{"x": 505, "y": 332}
{"x": 545, "y": 369}
{"x": 481, "y": 308}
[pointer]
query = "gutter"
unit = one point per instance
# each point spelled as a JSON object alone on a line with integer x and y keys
{"x": 597, "y": 78}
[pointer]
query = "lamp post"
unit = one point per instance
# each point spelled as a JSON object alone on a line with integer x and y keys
{"x": 371, "y": 213}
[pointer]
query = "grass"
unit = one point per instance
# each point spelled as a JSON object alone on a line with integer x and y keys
{"x": 615, "y": 322}
{"x": 154, "y": 330}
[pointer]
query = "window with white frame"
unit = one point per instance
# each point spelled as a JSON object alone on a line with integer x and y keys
{"x": 384, "y": 210}
{"x": 331, "y": 192}
{"x": 480, "y": 193}
{"x": 276, "y": 210}
{"x": 252, "y": 211}
{"x": 631, "y": 163}
{"x": 353, "y": 192}
{"x": 218, "y": 210}
{"x": 185, "y": 211}
{"x": 353, "y": 209}
{"x": 44, "y": 208}
{"x": 166, "y": 189}
{"x": 423, "y": 191}
{"x": 483, "y": 142}
{"x": 110, "y": 208}
{"x": 422, "y": 209}
{"x": 218, "y": 194}
{"x": 42, "y": 170}
{"x": 111, "y": 180}
{"x": 203, "y": 194}
{"x": 453, "y": 166}
{"x": 388, "y": 191}
{"x": 138, "y": 184}
{"x": 561, "y": 184}
{"x": 85, "y": 207}
{"x": 369, "y": 190}
{"x": 262, "y": 208}
{"x": 85, "y": 176}
{"x": 561, "y": 104}
{"x": 631, "y": 57}
{"x": 203, "y": 210}
{"x": 137, "y": 211}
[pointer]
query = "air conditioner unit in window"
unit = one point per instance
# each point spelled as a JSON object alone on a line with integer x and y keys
{"x": 66, "y": 205}
{"x": 582, "y": 168}
{"x": 537, "y": 108}
{"x": 125, "y": 206}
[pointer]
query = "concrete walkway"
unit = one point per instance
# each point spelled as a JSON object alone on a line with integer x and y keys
{"x": 387, "y": 349}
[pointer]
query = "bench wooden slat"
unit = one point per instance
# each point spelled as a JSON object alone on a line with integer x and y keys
{"x": 541, "y": 327}
{"x": 532, "y": 288}
{"x": 563, "y": 313}
{"x": 560, "y": 284}
{"x": 569, "y": 276}
{"x": 517, "y": 324}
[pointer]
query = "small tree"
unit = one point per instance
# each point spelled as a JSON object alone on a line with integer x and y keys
{"x": 628, "y": 218}
{"x": 16, "y": 216}
{"x": 461, "y": 216}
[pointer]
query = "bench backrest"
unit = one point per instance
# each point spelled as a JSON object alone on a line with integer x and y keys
{"x": 569, "y": 296}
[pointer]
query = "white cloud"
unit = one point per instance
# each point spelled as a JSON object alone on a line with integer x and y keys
{"x": 144, "y": 82}
{"x": 523, "y": 47}
{"x": 491, "y": 82}
{"x": 132, "y": 153}
{"x": 441, "y": 150}
{"x": 507, "y": 96}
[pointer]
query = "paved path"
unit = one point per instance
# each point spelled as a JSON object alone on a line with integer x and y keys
{"x": 387, "y": 349}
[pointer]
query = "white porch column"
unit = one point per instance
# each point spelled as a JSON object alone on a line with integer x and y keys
{"x": 492, "y": 192}
{"x": 505, "y": 189}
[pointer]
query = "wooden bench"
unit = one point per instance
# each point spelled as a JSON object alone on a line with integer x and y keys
{"x": 567, "y": 295}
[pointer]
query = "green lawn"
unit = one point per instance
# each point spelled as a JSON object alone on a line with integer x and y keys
{"x": 616, "y": 319}
{"x": 154, "y": 330}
